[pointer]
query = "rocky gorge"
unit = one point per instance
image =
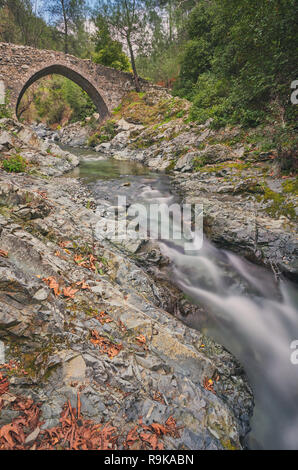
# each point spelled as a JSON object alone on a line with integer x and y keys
{"x": 249, "y": 207}
{"x": 97, "y": 331}
{"x": 86, "y": 330}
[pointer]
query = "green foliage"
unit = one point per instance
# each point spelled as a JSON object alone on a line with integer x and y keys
{"x": 22, "y": 22}
{"x": 161, "y": 66}
{"x": 126, "y": 19}
{"x": 15, "y": 164}
{"x": 78, "y": 100}
{"x": 57, "y": 99}
{"x": 240, "y": 59}
{"x": 21, "y": 25}
{"x": 285, "y": 140}
{"x": 106, "y": 133}
{"x": 49, "y": 105}
{"x": 108, "y": 52}
{"x": 277, "y": 204}
{"x": 291, "y": 186}
{"x": 5, "y": 112}
{"x": 67, "y": 15}
{"x": 159, "y": 54}
{"x": 112, "y": 56}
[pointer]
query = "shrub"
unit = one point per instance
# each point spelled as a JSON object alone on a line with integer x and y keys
{"x": 238, "y": 60}
{"x": 4, "y": 109}
{"x": 15, "y": 164}
{"x": 106, "y": 133}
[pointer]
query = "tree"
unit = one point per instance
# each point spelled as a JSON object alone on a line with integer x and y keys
{"x": 241, "y": 55}
{"x": 127, "y": 21}
{"x": 20, "y": 23}
{"x": 108, "y": 52}
{"x": 166, "y": 23}
{"x": 66, "y": 14}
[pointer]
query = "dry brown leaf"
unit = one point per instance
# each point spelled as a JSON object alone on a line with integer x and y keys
{"x": 83, "y": 285}
{"x": 141, "y": 339}
{"x": 208, "y": 385}
{"x": 159, "y": 429}
{"x": 122, "y": 327}
{"x": 53, "y": 284}
{"x": 105, "y": 345}
{"x": 132, "y": 436}
{"x": 157, "y": 396}
{"x": 4, "y": 384}
{"x": 103, "y": 318}
{"x": 65, "y": 243}
{"x": 150, "y": 439}
{"x": 69, "y": 292}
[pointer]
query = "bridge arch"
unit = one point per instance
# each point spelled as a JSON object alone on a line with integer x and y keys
{"x": 20, "y": 66}
{"x": 77, "y": 78}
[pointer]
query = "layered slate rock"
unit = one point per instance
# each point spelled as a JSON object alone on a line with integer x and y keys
{"x": 81, "y": 316}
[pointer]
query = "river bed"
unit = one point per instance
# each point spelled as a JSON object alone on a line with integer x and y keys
{"x": 252, "y": 315}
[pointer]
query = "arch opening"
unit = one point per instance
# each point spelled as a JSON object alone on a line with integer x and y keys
{"x": 73, "y": 76}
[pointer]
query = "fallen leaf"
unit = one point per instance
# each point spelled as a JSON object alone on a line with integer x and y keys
{"x": 132, "y": 437}
{"x": 141, "y": 339}
{"x": 105, "y": 345}
{"x": 4, "y": 384}
{"x": 53, "y": 284}
{"x": 83, "y": 285}
{"x": 103, "y": 318}
{"x": 157, "y": 396}
{"x": 159, "y": 429}
{"x": 69, "y": 292}
{"x": 65, "y": 243}
{"x": 208, "y": 385}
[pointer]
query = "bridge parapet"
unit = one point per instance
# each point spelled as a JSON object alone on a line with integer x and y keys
{"x": 20, "y": 66}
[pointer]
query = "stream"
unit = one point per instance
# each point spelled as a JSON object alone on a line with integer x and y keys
{"x": 251, "y": 314}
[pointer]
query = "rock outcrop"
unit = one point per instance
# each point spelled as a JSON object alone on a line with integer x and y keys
{"x": 79, "y": 318}
{"x": 249, "y": 208}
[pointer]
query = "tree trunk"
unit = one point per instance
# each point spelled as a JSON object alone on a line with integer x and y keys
{"x": 65, "y": 28}
{"x": 170, "y": 21}
{"x": 133, "y": 64}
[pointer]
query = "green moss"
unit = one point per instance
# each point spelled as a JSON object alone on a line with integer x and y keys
{"x": 221, "y": 166}
{"x": 226, "y": 443}
{"x": 105, "y": 133}
{"x": 5, "y": 211}
{"x": 136, "y": 108}
{"x": 171, "y": 166}
{"x": 276, "y": 204}
{"x": 200, "y": 162}
{"x": 290, "y": 186}
{"x": 50, "y": 371}
{"x": 37, "y": 173}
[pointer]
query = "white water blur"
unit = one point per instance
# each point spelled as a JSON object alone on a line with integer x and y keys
{"x": 255, "y": 318}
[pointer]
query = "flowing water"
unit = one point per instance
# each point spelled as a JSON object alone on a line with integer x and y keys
{"x": 251, "y": 314}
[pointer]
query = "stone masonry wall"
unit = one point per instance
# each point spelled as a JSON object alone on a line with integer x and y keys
{"x": 20, "y": 66}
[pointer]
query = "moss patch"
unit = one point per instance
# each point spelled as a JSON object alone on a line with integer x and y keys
{"x": 137, "y": 109}
{"x": 277, "y": 204}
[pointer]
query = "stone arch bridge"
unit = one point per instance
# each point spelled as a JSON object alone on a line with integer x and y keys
{"x": 21, "y": 66}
